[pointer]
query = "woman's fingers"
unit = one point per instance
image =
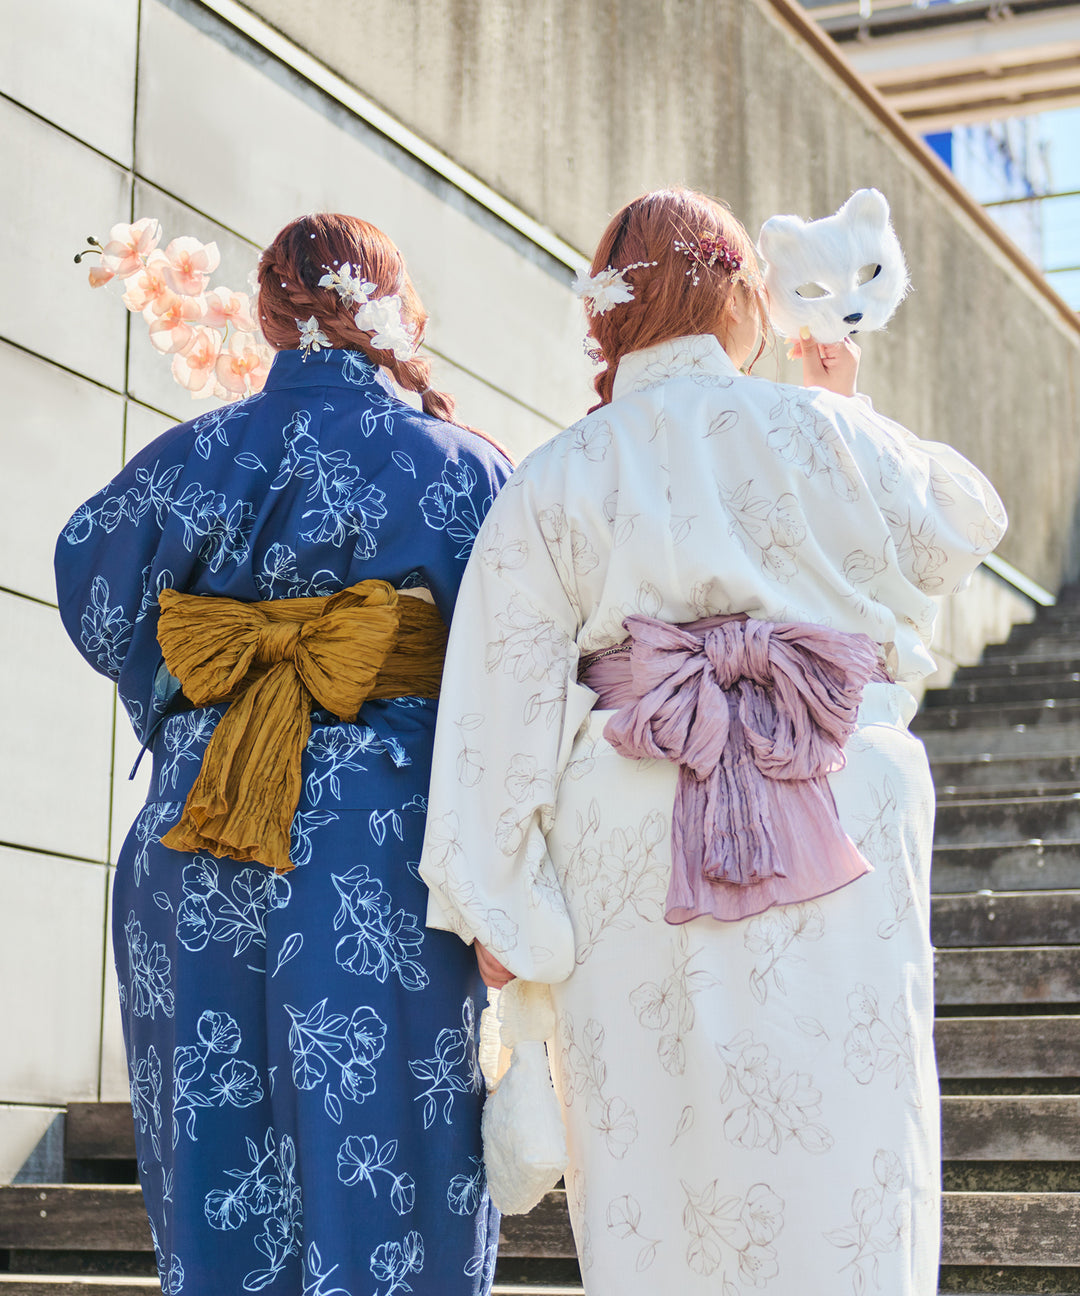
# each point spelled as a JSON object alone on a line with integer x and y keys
{"x": 494, "y": 974}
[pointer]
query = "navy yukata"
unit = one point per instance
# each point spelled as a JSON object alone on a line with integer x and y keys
{"x": 302, "y": 1051}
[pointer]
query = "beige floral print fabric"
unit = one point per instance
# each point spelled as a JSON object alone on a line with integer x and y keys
{"x": 748, "y": 1104}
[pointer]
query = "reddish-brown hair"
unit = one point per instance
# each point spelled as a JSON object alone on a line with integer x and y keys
{"x": 289, "y": 274}
{"x": 667, "y": 303}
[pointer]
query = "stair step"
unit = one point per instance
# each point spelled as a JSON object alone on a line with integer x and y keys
{"x": 1005, "y": 667}
{"x": 99, "y": 1132}
{"x": 65, "y": 1285}
{"x": 1032, "y": 975}
{"x": 1020, "y": 819}
{"x": 1026, "y": 688}
{"x": 1001, "y": 739}
{"x": 947, "y": 793}
{"x": 1010, "y": 866}
{"x": 1027, "y": 1128}
{"x": 1038, "y": 713}
{"x": 1005, "y": 918}
{"x": 1013, "y": 1048}
{"x": 1011, "y": 1229}
{"x": 994, "y": 769}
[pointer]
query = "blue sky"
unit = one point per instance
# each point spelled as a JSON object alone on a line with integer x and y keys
{"x": 1061, "y": 216}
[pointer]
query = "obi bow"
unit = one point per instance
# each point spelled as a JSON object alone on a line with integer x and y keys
{"x": 755, "y": 714}
{"x": 272, "y": 661}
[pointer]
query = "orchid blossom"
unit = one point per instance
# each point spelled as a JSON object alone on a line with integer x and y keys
{"x": 191, "y": 264}
{"x": 196, "y": 366}
{"x": 243, "y": 364}
{"x": 225, "y": 307}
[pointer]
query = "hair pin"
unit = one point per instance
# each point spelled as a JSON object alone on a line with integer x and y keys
{"x": 707, "y": 252}
{"x": 607, "y": 288}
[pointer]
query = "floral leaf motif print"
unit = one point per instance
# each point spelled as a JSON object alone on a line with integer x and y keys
{"x": 105, "y": 632}
{"x": 584, "y": 1073}
{"x": 613, "y": 873}
{"x": 404, "y": 462}
{"x": 207, "y": 913}
{"x": 453, "y": 1069}
{"x": 668, "y": 1006}
{"x": 465, "y": 1190}
{"x": 775, "y": 529}
{"x": 686, "y": 1122}
{"x": 344, "y": 505}
{"x": 145, "y": 1081}
{"x": 315, "y": 1276}
{"x": 267, "y": 1190}
{"x": 210, "y": 427}
{"x": 744, "y": 1226}
{"x": 623, "y": 1216}
{"x": 591, "y": 437}
{"x": 916, "y": 545}
{"x": 902, "y": 899}
{"x": 185, "y": 738}
{"x": 384, "y": 942}
{"x": 500, "y": 554}
{"x": 874, "y": 1047}
{"x": 149, "y": 987}
{"x": 530, "y": 647}
{"x": 150, "y": 492}
{"x": 622, "y": 524}
{"x": 359, "y": 1160}
{"x": 470, "y": 766}
{"x": 723, "y": 422}
{"x": 212, "y": 527}
{"x": 771, "y": 935}
{"x": 149, "y": 828}
{"x": 280, "y": 576}
{"x": 392, "y": 1262}
{"x": 303, "y": 826}
{"x": 322, "y": 1043}
{"x": 235, "y": 1083}
{"x": 335, "y": 748}
{"x": 290, "y": 947}
{"x": 861, "y": 567}
{"x": 878, "y": 1222}
{"x": 467, "y": 914}
{"x": 450, "y": 505}
{"x": 774, "y": 1107}
{"x": 811, "y": 444}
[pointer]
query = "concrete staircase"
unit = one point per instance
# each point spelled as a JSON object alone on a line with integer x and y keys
{"x": 1004, "y": 741}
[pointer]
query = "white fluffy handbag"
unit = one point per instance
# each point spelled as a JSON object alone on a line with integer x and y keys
{"x": 524, "y": 1138}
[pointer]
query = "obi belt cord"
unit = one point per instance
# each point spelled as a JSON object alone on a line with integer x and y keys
{"x": 755, "y": 714}
{"x": 272, "y": 662}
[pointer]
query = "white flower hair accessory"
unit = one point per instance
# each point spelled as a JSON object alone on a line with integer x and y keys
{"x": 607, "y": 287}
{"x": 312, "y": 338}
{"x": 379, "y": 316}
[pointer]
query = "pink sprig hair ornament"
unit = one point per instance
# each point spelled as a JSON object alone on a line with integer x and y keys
{"x": 836, "y": 276}
{"x": 210, "y": 332}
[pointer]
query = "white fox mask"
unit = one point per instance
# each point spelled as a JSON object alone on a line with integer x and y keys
{"x": 839, "y": 275}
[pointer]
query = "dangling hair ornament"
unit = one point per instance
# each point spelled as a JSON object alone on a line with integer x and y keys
{"x": 312, "y": 338}
{"x": 707, "y": 252}
{"x": 592, "y": 349}
{"x": 379, "y": 316}
{"x": 607, "y": 288}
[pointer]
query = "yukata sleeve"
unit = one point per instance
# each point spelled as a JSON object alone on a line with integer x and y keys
{"x": 107, "y": 580}
{"x": 943, "y": 514}
{"x": 509, "y": 710}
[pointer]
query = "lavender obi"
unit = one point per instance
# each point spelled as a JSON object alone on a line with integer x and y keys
{"x": 755, "y": 714}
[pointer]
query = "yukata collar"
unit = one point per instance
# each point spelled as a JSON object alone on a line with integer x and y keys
{"x": 698, "y": 356}
{"x": 328, "y": 367}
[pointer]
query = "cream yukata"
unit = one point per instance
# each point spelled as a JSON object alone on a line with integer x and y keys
{"x": 749, "y": 1104}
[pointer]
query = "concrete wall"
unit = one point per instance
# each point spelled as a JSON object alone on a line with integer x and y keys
{"x": 571, "y": 107}
{"x": 177, "y": 117}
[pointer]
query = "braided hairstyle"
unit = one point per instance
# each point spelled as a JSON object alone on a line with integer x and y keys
{"x": 669, "y": 302}
{"x": 289, "y": 273}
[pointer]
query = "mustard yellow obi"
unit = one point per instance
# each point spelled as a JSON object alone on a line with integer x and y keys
{"x": 272, "y": 662}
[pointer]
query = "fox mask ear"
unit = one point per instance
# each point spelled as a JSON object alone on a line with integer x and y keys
{"x": 867, "y": 207}
{"x": 779, "y": 233}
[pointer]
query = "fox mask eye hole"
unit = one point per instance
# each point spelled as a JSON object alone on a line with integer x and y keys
{"x": 809, "y": 291}
{"x": 867, "y": 273}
